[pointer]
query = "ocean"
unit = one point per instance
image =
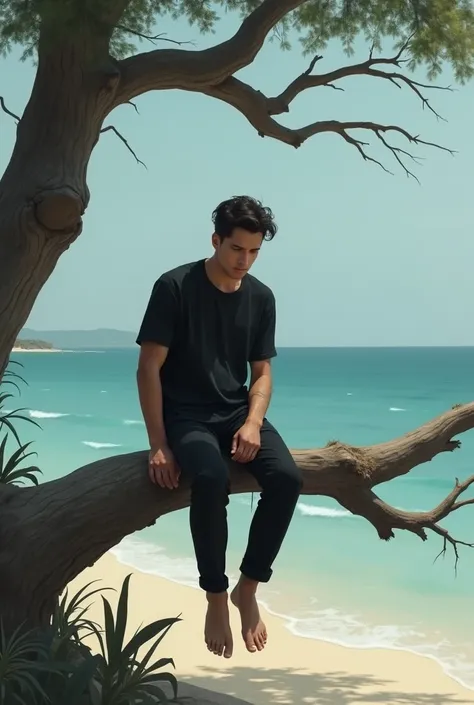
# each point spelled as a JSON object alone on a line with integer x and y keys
{"x": 334, "y": 579}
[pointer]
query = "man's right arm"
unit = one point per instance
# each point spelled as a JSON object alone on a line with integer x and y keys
{"x": 151, "y": 360}
{"x": 162, "y": 468}
{"x": 155, "y": 338}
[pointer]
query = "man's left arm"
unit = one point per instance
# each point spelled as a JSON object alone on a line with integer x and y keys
{"x": 246, "y": 442}
{"x": 260, "y": 391}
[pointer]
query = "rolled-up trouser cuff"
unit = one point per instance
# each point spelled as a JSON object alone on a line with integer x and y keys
{"x": 214, "y": 586}
{"x": 257, "y": 574}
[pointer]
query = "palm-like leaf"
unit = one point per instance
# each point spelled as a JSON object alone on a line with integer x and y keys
{"x": 10, "y": 473}
{"x": 69, "y": 624}
{"x": 7, "y": 418}
{"x": 123, "y": 678}
{"x": 23, "y": 658}
{"x": 77, "y": 685}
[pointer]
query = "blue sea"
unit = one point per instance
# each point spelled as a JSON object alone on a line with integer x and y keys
{"x": 334, "y": 579}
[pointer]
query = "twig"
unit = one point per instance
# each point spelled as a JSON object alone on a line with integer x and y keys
{"x": 7, "y": 111}
{"x": 447, "y": 538}
{"x": 153, "y": 38}
{"x": 130, "y": 102}
{"x": 121, "y": 137}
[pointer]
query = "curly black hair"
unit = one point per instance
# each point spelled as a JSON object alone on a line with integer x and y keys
{"x": 244, "y": 212}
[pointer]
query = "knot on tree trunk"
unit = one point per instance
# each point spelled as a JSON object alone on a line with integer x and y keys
{"x": 60, "y": 210}
{"x": 358, "y": 460}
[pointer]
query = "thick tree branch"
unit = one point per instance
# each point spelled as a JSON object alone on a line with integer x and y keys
{"x": 70, "y": 522}
{"x": 111, "y": 128}
{"x": 191, "y": 70}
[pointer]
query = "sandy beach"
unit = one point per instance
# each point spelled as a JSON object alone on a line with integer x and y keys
{"x": 290, "y": 671}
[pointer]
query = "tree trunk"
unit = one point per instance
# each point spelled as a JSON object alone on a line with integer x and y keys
{"x": 43, "y": 192}
{"x": 49, "y": 534}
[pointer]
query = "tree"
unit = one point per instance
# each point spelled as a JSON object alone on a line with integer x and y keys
{"x": 87, "y": 67}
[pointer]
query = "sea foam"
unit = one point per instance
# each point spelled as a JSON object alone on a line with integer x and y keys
{"x": 311, "y": 510}
{"x": 38, "y": 414}
{"x": 97, "y": 446}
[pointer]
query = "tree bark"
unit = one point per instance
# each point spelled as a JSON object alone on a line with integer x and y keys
{"x": 49, "y": 534}
{"x": 43, "y": 192}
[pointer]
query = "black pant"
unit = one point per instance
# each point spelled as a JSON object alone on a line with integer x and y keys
{"x": 202, "y": 449}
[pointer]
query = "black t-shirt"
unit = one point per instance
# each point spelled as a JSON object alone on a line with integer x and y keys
{"x": 211, "y": 336}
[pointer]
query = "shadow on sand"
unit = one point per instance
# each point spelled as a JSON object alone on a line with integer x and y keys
{"x": 290, "y": 687}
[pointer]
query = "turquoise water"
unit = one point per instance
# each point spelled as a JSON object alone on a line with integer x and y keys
{"x": 334, "y": 578}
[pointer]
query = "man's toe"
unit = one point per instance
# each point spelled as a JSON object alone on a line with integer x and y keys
{"x": 250, "y": 643}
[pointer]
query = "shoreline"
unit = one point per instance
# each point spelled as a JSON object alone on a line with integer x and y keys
{"x": 292, "y": 669}
{"x": 36, "y": 350}
{"x": 135, "y": 554}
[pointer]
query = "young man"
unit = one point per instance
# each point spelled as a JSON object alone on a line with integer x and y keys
{"x": 204, "y": 324}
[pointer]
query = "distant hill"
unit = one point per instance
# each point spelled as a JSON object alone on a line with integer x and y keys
{"x": 77, "y": 339}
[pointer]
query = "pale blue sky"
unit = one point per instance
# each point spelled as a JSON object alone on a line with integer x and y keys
{"x": 361, "y": 257}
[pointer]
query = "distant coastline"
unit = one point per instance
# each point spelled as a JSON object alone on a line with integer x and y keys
{"x": 34, "y": 346}
{"x": 98, "y": 339}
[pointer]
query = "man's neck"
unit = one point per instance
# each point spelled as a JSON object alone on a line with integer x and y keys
{"x": 219, "y": 278}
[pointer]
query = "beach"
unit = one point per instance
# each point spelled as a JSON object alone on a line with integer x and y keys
{"x": 290, "y": 671}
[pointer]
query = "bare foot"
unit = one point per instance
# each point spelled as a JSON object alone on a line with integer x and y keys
{"x": 254, "y": 631}
{"x": 217, "y": 632}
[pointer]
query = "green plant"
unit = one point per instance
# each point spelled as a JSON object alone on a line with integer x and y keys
{"x": 10, "y": 472}
{"x": 23, "y": 657}
{"x": 56, "y": 667}
{"x": 8, "y": 417}
{"x": 69, "y": 626}
{"x": 123, "y": 677}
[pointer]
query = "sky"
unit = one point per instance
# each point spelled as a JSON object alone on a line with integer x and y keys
{"x": 362, "y": 257}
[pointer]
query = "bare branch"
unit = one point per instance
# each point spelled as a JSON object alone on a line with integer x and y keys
{"x": 386, "y": 518}
{"x": 254, "y": 106}
{"x": 447, "y": 538}
{"x": 192, "y": 70}
{"x": 7, "y": 111}
{"x": 155, "y": 38}
{"x": 122, "y": 138}
{"x": 281, "y": 103}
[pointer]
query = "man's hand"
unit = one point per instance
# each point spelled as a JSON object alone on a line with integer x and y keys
{"x": 246, "y": 442}
{"x": 162, "y": 467}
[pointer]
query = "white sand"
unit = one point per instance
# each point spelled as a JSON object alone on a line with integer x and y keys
{"x": 290, "y": 671}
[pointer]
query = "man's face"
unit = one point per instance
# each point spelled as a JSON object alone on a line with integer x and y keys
{"x": 237, "y": 253}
